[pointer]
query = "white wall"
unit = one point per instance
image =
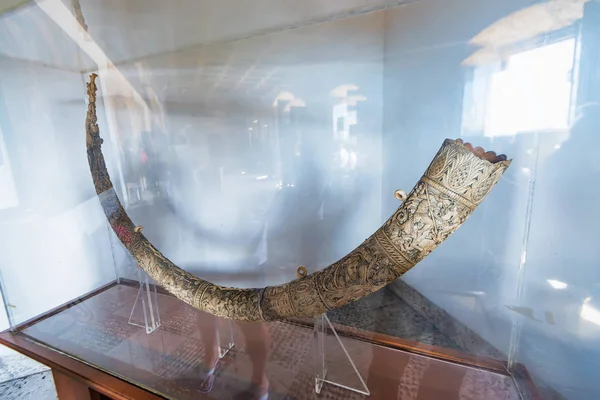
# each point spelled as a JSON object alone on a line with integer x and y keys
{"x": 54, "y": 244}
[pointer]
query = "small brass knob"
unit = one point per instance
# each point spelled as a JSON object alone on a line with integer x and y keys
{"x": 400, "y": 195}
{"x": 301, "y": 272}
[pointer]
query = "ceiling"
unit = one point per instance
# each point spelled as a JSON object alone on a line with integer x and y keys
{"x": 188, "y": 55}
{"x": 26, "y": 33}
{"x": 243, "y": 76}
{"x": 498, "y": 39}
{"x": 130, "y": 30}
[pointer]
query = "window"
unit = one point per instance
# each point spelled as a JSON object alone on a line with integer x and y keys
{"x": 531, "y": 93}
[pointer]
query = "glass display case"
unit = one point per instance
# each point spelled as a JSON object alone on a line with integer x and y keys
{"x": 251, "y": 138}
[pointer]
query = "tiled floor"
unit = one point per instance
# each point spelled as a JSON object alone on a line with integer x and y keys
{"x": 22, "y": 378}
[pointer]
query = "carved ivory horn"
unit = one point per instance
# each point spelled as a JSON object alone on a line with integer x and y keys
{"x": 456, "y": 181}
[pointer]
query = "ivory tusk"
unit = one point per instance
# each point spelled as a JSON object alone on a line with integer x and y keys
{"x": 456, "y": 181}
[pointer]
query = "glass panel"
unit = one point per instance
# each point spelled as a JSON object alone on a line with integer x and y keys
{"x": 250, "y": 139}
{"x": 559, "y": 321}
{"x": 436, "y": 86}
{"x": 54, "y": 240}
{"x": 275, "y": 357}
{"x": 245, "y": 160}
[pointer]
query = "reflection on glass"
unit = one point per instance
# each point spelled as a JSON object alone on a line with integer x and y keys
{"x": 533, "y": 92}
{"x": 590, "y": 313}
{"x": 529, "y": 91}
{"x": 8, "y": 193}
{"x": 244, "y": 159}
{"x": 557, "y": 284}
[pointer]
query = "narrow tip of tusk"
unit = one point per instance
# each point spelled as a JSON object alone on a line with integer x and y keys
{"x": 138, "y": 229}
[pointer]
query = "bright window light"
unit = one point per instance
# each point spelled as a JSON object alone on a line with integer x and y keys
{"x": 590, "y": 314}
{"x": 533, "y": 92}
{"x": 557, "y": 284}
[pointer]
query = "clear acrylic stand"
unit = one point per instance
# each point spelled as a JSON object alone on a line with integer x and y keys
{"x": 226, "y": 337}
{"x": 322, "y": 325}
{"x": 144, "y": 312}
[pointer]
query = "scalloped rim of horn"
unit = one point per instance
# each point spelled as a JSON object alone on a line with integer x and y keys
{"x": 480, "y": 152}
{"x": 456, "y": 181}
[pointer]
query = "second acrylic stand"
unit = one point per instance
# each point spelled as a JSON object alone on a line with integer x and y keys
{"x": 321, "y": 328}
{"x": 146, "y": 304}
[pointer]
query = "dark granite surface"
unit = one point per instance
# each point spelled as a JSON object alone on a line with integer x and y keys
{"x": 460, "y": 335}
{"x": 384, "y": 312}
